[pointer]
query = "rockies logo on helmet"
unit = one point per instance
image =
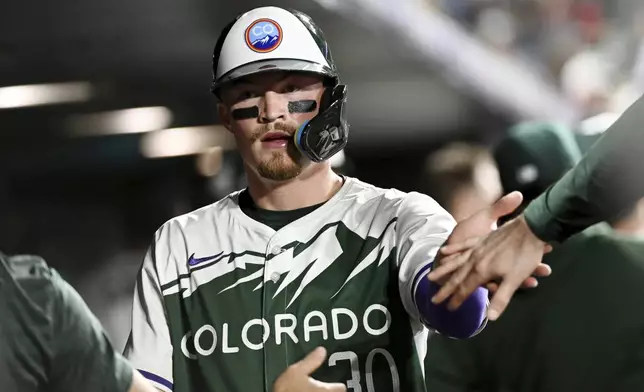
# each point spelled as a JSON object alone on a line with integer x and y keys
{"x": 264, "y": 35}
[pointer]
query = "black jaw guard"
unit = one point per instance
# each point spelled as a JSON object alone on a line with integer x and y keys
{"x": 327, "y": 133}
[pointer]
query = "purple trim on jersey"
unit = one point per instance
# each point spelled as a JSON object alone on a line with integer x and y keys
{"x": 157, "y": 379}
{"x": 462, "y": 323}
{"x": 419, "y": 275}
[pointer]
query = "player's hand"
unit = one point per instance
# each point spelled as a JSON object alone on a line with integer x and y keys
{"x": 467, "y": 234}
{"x": 509, "y": 255}
{"x": 297, "y": 377}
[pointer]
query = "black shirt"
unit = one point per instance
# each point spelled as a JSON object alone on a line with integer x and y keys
{"x": 273, "y": 219}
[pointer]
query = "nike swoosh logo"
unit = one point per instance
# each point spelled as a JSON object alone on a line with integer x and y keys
{"x": 192, "y": 261}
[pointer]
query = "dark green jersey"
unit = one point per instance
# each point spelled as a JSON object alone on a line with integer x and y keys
{"x": 225, "y": 303}
{"x": 605, "y": 183}
{"x": 49, "y": 340}
{"x": 582, "y": 329}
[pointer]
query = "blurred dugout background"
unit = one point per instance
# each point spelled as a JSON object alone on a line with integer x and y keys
{"x": 107, "y": 127}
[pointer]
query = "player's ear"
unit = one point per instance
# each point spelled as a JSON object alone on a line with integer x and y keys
{"x": 224, "y": 116}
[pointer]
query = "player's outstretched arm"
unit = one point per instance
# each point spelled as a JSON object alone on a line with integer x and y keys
{"x": 422, "y": 228}
{"x": 608, "y": 180}
{"x": 510, "y": 255}
{"x": 460, "y": 276}
{"x": 297, "y": 377}
{"x": 474, "y": 305}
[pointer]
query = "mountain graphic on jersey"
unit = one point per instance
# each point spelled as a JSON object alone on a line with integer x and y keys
{"x": 265, "y": 43}
{"x": 296, "y": 267}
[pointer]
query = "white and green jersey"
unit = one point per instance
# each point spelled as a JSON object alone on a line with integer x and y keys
{"x": 224, "y": 303}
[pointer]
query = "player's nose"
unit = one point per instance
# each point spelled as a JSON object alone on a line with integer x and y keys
{"x": 274, "y": 107}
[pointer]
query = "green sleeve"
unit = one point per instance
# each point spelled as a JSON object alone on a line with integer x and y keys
{"x": 83, "y": 358}
{"x": 606, "y": 182}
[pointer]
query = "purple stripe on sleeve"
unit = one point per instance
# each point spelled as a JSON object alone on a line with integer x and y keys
{"x": 462, "y": 323}
{"x": 158, "y": 379}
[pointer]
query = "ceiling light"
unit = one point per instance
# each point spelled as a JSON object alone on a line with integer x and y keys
{"x": 44, "y": 94}
{"x": 136, "y": 120}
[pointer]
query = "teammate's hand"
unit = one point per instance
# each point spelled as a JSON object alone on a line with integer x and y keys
{"x": 510, "y": 255}
{"x": 467, "y": 234}
{"x": 297, "y": 377}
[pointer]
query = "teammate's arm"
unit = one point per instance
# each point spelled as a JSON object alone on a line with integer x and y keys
{"x": 82, "y": 357}
{"x": 422, "y": 228}
{"x": 607, "y": 181}
{"x": 149, "y": 347}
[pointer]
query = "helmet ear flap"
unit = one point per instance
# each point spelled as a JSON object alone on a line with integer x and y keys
{"x": 327, "y": 133}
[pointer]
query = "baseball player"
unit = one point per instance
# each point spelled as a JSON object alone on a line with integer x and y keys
{"x": 49, "y": 340}
{"x": 232, "y": 295}
{"x": 605, "y": 183}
